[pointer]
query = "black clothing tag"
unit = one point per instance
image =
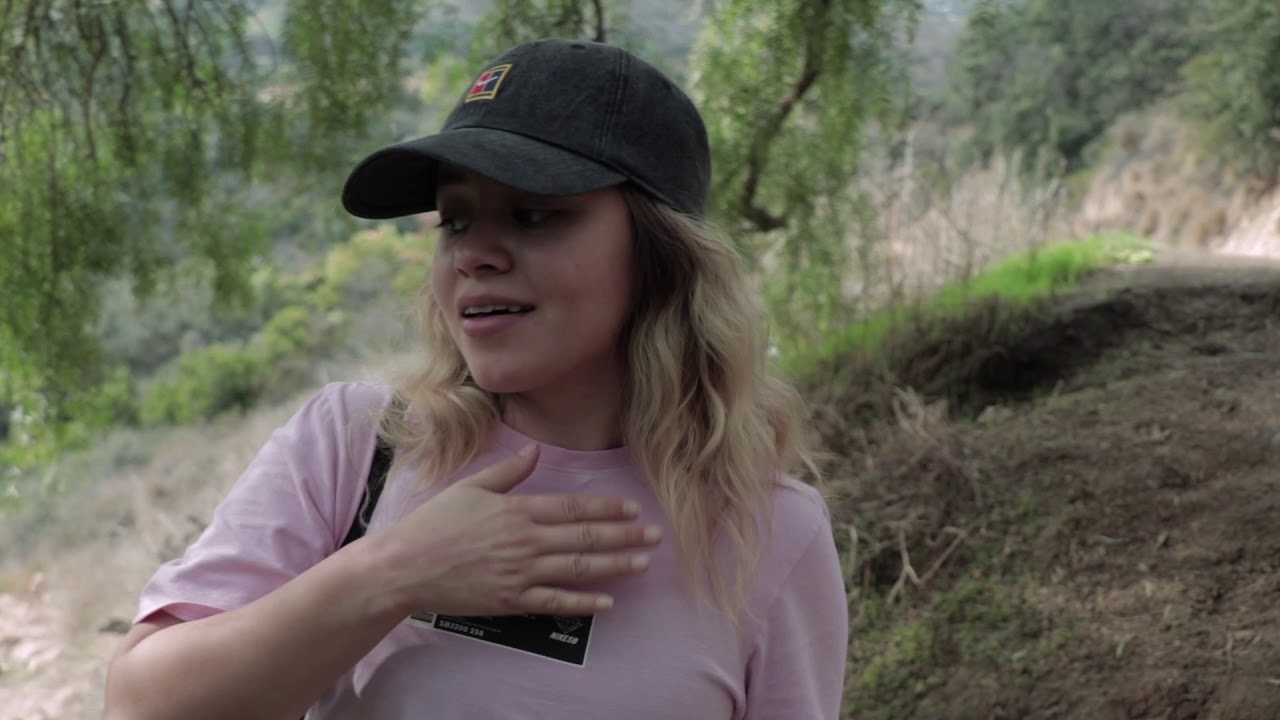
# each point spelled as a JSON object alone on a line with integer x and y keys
{"x": 558, "y": 637}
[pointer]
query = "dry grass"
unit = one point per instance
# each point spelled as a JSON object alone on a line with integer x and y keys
{"x": 907, "y": 536}
{"x": 937, "y": 226}
{"x": 87, "y": 556}
{"x": 73, "y": 563}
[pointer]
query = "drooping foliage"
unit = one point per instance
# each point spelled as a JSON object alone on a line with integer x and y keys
{"x": 129, "y": 133}
{"x": 791, "y": 91}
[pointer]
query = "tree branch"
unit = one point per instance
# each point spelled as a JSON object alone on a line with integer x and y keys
{"x": 601, "y": 32}
{"x": 758, "y": 153}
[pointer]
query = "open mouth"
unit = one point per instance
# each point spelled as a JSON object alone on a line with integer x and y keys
{"x": 480, "y": 311}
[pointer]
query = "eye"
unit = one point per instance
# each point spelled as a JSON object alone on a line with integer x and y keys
{"x": 453, "y": 225}
{"x": 529, "y": 218}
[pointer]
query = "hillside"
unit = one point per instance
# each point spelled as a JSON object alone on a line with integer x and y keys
{"x": 1155, "y": 180}
{"x": 1104, "y": 549}
{"x": 1099, "y": 541}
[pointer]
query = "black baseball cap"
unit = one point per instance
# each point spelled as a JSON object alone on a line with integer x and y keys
{"x": 551, "y": 117}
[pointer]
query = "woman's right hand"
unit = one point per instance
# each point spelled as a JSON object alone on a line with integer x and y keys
{"x": 474, "y": 550}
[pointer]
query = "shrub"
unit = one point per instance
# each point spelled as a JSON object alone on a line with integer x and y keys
{"x": 208, "y": 382}
{"x": 360, "y": 271}
{"x": 291, "y": 332}
{"x": 114, "y": 402}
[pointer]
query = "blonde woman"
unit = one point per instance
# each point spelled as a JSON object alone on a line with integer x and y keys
{"x": 589, "y": 513}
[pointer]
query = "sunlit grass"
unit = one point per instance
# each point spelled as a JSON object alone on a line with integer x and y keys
{"x": 1017, "y": 280}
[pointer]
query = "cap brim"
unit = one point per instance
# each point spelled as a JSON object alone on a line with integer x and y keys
{"x": 401, "y": 180}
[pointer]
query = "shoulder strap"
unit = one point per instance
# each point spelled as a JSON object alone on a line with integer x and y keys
{"x": 383, "y": 454}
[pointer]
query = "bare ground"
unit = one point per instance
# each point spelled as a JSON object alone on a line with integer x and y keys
{"x": 1094, "y": 532}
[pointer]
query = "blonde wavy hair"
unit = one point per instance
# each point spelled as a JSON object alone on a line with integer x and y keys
{"x": 709, "y": 425}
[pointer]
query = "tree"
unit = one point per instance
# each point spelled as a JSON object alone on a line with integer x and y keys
{"x": 1233, "y": 86}
{"x": 1040, "y": 76}
{"x": 510, "y": 22}
{"x": 791, "y": 89}
{"x": 129, "y": 131}
{"x": 519, "y": 20}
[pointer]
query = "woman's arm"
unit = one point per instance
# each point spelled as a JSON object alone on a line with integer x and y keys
{"x": 470, "y": 550}
{"x": 270, "y": 659}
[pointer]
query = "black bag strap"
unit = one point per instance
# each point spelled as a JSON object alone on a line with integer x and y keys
{"x": 383, "y": 454}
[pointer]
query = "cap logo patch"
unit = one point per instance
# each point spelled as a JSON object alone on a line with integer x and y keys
{"x": 486, "y": 87}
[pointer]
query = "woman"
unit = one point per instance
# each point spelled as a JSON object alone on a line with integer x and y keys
{"x": 588, "y": 515}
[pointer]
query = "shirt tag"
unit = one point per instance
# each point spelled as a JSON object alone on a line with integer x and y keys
{"x": 558, "y": 637}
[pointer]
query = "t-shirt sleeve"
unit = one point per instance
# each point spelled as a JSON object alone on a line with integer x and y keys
{"x": 797, "y": 664}
{"x": 287, "y": 512}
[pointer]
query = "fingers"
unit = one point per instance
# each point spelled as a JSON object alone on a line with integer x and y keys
{"x": 551, "y": 570}
{"x": 550, "y": 601}
{"x": 585, "y": 567}
{"x": 558, "y": 509}
{"x": 547, "y": 573}
{"x": 597, "y": 537}
{"x": 503, "y": 476}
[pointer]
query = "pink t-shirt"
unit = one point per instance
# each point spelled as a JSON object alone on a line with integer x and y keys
{"x": 655, "y": 655}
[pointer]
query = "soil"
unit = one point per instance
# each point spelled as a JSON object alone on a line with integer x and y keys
{"x": 1124, "y": 485}
{"x": 1119, "y": 480}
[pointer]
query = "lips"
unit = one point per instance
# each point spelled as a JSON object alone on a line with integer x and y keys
{"x": 487, "y": 310}
{"x": 484, "y": 304}
{"x": 487, "y": 315}
{"x": 481, "y": 326}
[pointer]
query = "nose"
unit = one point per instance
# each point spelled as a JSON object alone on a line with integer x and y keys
{"x": 480, "y": 252}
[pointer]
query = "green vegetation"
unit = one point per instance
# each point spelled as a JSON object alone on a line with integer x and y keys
{"x": 1015, "y": 281}
{"x": 1233, "y": 86}
{"x": 1042, "y": 79}
{"x": 978, "y": 623}
{"x": 221, "y": 377}
{"x": 209, "y": 381}
{"x": 791, "y": 90}
{"x": 131, "y": 133}
{"x": 310, "y": 312}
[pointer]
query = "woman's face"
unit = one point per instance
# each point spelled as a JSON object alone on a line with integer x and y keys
{"x": 534, "y": 289}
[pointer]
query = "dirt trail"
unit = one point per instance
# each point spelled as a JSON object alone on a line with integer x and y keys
{"x": 1156, "y": 533}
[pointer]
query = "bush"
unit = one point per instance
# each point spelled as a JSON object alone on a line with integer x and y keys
{"x": 291, "y": 332}
{"x": 113, "y": 403}
{"x": 209, "y": 381}
{"x": 360, "y": 271}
